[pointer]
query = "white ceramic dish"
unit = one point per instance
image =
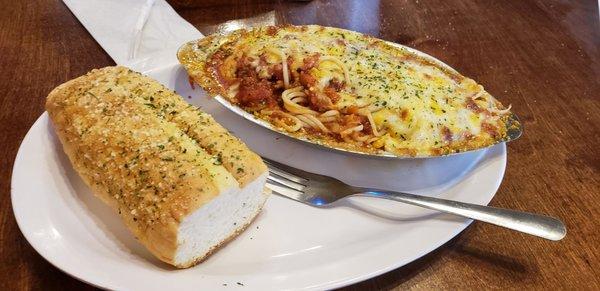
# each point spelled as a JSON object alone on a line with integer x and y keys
{"x": 289, "y": 246}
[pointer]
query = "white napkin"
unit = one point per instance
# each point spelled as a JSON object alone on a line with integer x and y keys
{"x": 112, "y": 23}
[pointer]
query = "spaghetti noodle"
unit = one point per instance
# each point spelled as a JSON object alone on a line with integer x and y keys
{"x": 340, "y": 64}
{"x": 286, "y": 74}
{"x": 293, "y": 99}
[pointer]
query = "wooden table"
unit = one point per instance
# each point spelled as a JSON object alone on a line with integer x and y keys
{"x": 543, "y": 57}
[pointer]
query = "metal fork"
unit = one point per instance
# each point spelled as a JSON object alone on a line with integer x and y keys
{"x": 318, "y": 190}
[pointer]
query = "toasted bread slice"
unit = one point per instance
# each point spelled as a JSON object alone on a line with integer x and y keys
{"x": 181, "y": 182}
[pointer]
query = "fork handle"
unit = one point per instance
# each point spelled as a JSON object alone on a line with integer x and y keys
{"x": 534, "y": 224}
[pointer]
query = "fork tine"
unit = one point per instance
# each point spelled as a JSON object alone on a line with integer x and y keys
{"x": 286, "y": 182}
{"x": 284, "y": 190}
{"x": 278, "y": 171}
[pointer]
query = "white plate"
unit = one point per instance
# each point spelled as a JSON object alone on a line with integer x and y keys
{"x": 289, "y": 246}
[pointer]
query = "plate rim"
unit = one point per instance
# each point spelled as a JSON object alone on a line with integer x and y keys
{"x": 27, "y": 235}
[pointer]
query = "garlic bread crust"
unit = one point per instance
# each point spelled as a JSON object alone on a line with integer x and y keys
{"x": 147, "y": 153}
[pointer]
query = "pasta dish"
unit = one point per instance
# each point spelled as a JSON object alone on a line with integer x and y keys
{"x": 345, "y": 89}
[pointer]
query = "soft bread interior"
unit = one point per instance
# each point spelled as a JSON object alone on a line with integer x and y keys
{"x": 212, "y": 225}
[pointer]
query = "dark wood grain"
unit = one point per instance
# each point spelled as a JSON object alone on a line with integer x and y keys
{"x": 543, "y": 57}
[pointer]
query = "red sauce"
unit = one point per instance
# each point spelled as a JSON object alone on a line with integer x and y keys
{"x": 318, "y": 101}
{"x": 336, "y": 84}
{"x": 252, "y": 92}
{"x": 262, "y": 60}
{"x": 272, "y": 30}
{"x": 309, "y": 62}
{"x": 216, "y": 64}
{"x": 366, "y": 125}
{"x": 244, "y": 69}
{"x": 276, "y": 71}
{"x": 471, "y": 105}
{"x": 352, "y": 109}
{"x": 332, "y": 94}
{"x": 307, "y": 80}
